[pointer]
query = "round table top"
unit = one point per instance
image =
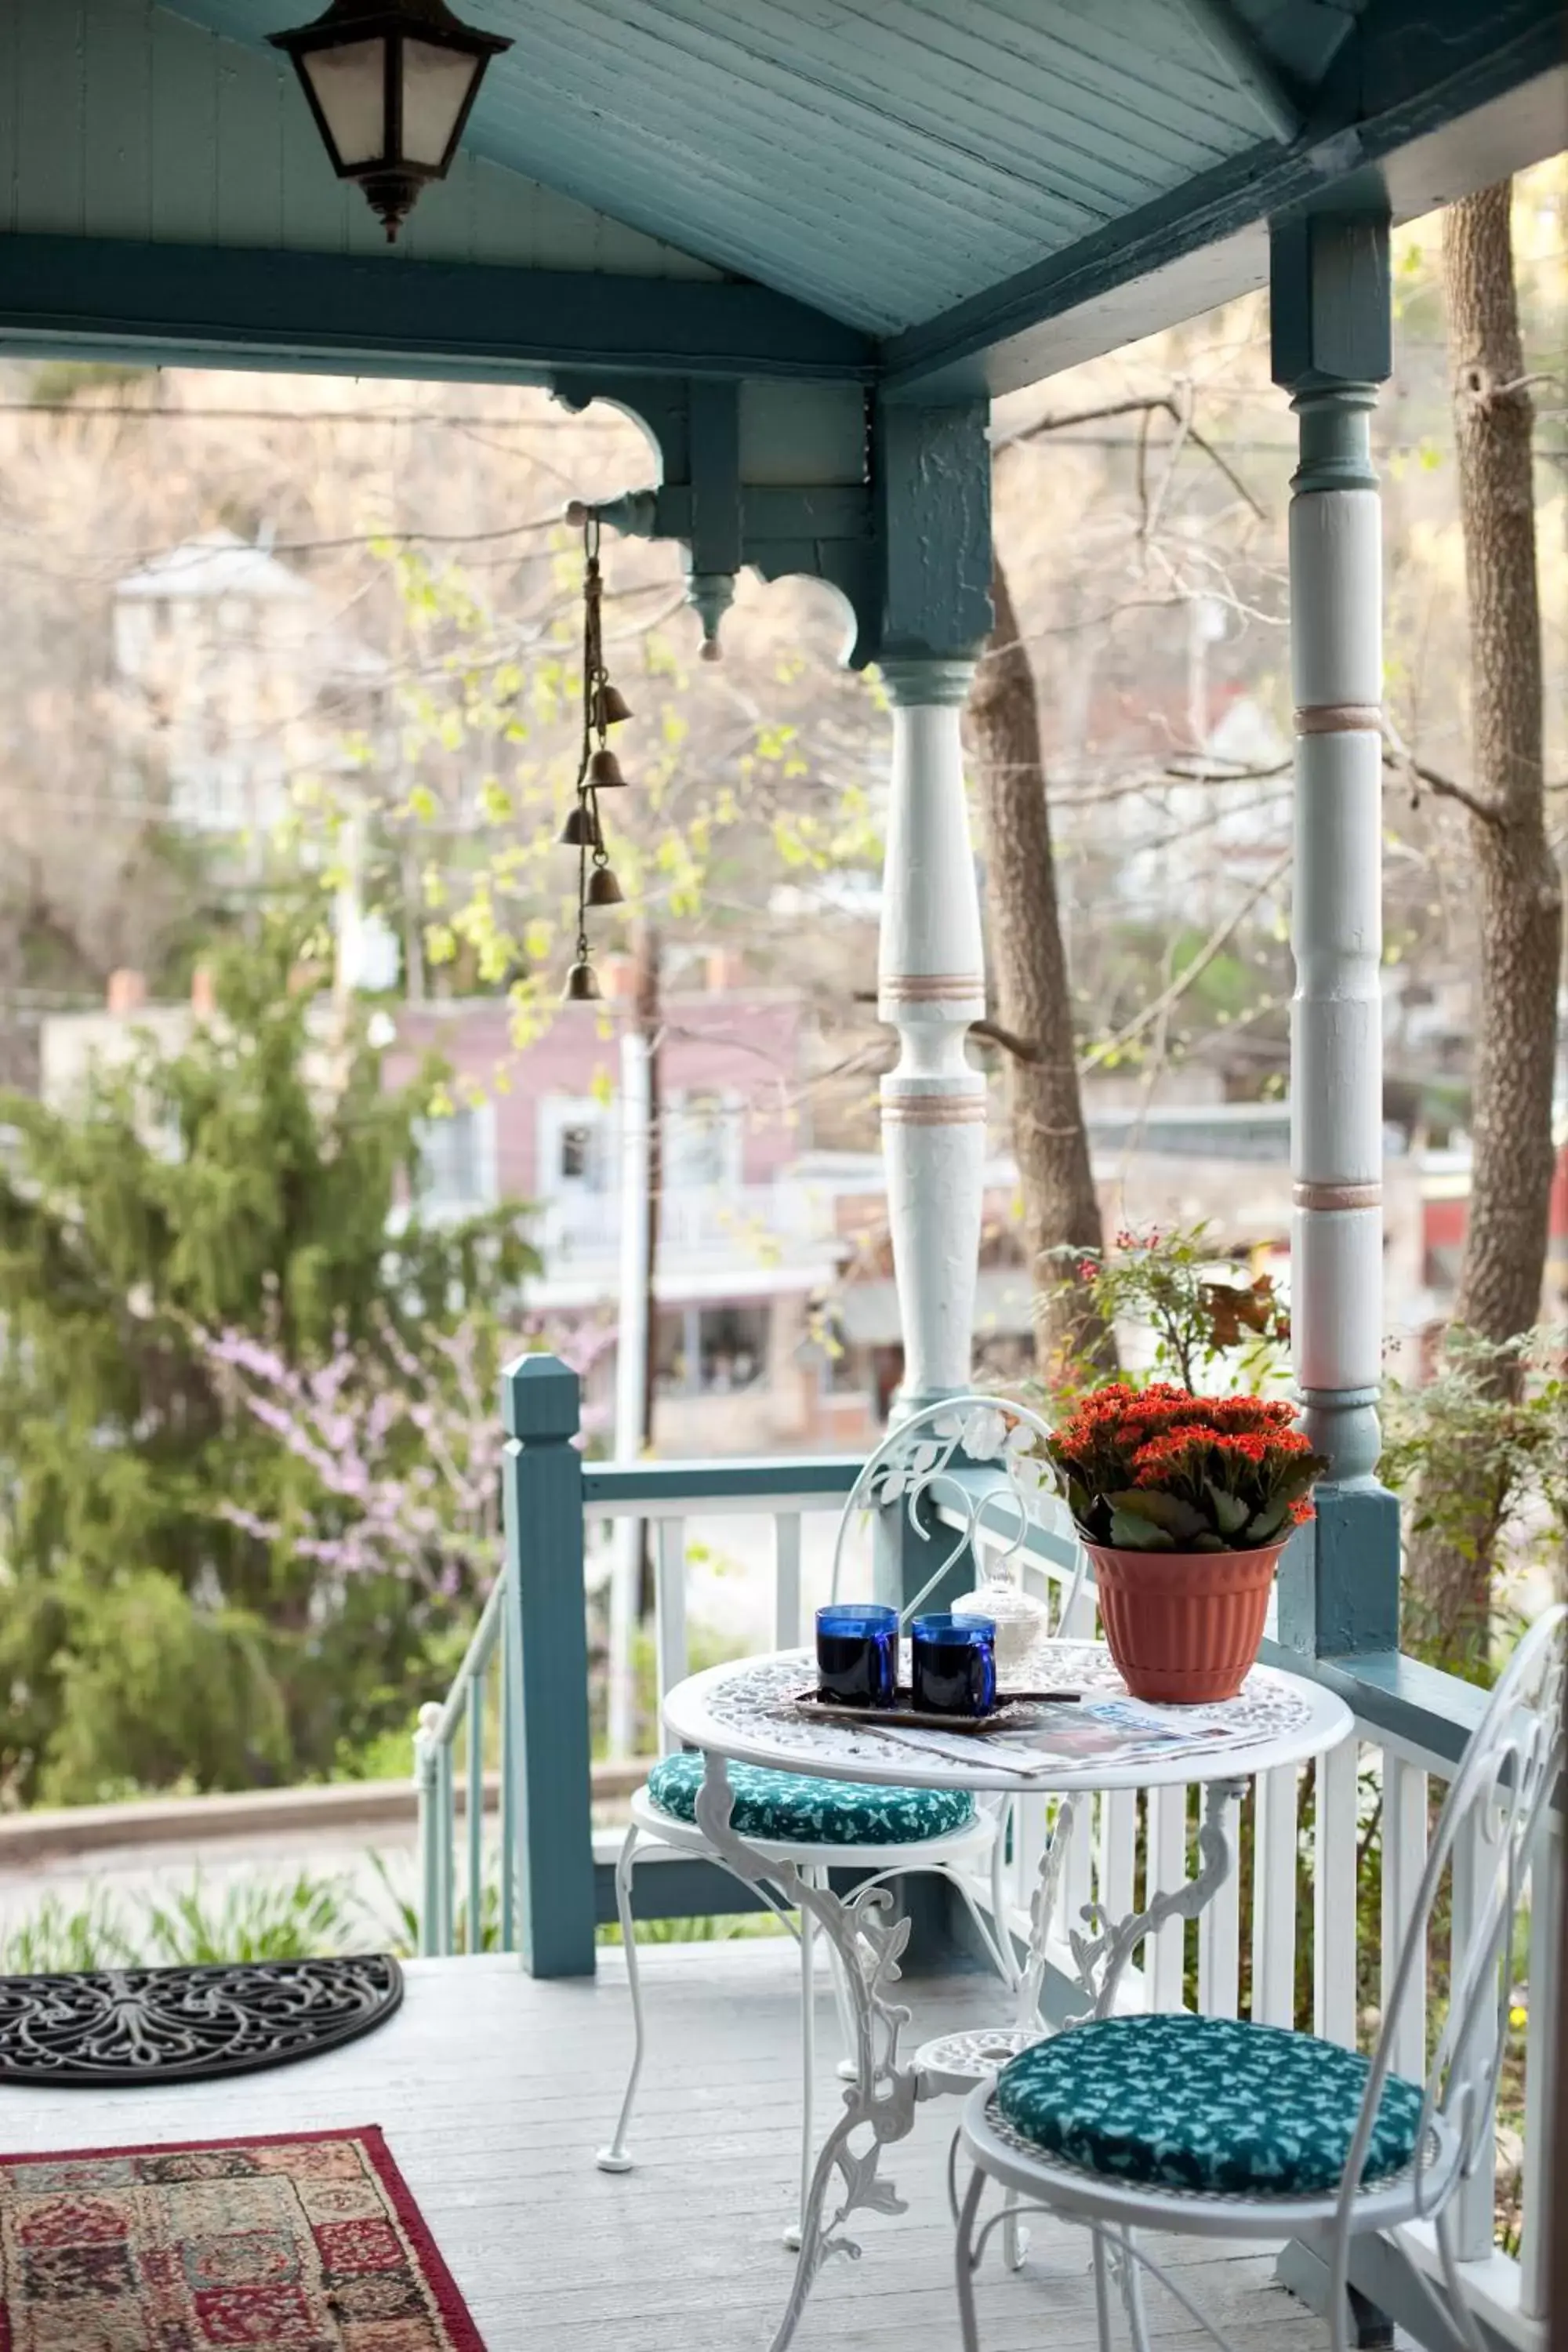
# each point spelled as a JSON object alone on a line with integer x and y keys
{"x": 745, "y": 1712}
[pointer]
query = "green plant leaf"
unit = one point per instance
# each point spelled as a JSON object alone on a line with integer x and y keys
{"x": 1230, "y": 1510}
{"x": 1131, "y": 1534}
{"x": 1168, "y": 1511}
{"x": 1209, "y": 1542}
{"x": 1266, "y": 1525}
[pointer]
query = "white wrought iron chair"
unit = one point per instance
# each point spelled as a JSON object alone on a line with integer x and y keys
{"x": 1216, "y": 2127}
{"x": 913, "y": 1466}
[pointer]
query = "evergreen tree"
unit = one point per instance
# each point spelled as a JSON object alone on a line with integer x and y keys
{"x": 256, "y": 1181}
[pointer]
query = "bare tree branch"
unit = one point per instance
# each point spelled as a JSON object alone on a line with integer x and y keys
{"x": 1191, "y": 971}
{"x": 1023, "y": 1049}
{"x": 1397, "y": 755}
{"x": 1156, "y": 403}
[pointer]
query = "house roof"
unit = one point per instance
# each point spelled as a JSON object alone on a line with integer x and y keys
{"x": 215, "y": 564}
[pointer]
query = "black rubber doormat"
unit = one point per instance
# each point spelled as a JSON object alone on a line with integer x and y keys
{"x": 109, "y": 2027}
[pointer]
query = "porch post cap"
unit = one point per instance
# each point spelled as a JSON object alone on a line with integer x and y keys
{"x": 540, "y": 1399}
{"x": 920, "y": 681}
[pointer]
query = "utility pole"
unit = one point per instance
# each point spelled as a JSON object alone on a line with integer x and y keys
{"x": 631, "y": 1381}
{"x": 636, "y": 1347}
{"x": 649, "y": 1013}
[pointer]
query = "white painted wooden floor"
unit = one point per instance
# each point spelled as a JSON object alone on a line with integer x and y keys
{"x": 494, "y": 2091}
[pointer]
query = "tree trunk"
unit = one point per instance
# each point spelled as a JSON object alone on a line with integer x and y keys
{"x": 1520, "y": 895}
{"x": 1034, "y": 1002}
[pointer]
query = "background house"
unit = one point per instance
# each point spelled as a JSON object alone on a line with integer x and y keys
{"x": 237, "y": 678}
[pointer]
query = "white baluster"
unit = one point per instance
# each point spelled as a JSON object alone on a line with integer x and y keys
{"x": 932, "y": 986}
{"x": 1404, "y": 1859}
{"x": 786, "y": 1580}
{"x": 669, "y": 1614}
{"x": 1335, "y": 1897}
{"x": 1548, "y": 1940}
{"x": 1164, "y": 1960}
{"x": 1274, "y": 1898}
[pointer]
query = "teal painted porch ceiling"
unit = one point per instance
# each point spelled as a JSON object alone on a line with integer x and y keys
{"x": 881, "y": 160}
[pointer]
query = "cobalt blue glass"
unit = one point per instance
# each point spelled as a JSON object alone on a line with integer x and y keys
{"x": 857, "y": 1653}
{"x": 954, "y": 1665}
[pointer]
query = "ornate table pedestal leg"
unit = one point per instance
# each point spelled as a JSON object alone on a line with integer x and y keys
{"x": 868, "y": 1937}
{"x": 1102, "y": 1957}
{"x": 951, "y": 2064}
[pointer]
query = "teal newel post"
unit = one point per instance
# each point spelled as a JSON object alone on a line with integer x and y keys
{"x": 546, "y": 1638}
{"x": 1338, "y": 1585}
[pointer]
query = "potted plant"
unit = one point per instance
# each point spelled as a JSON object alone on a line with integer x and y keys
{"x": 1184, "y": 1503}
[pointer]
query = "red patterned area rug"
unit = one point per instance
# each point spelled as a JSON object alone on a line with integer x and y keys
{"x": 306, "y": 2243}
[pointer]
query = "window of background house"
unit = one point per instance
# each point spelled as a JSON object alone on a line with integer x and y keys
{"x": 704, "y": 1141}
{"x": 455, "y": 1161}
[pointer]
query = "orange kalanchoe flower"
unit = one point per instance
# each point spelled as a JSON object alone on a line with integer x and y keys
{"x": 1162, "y": 1469}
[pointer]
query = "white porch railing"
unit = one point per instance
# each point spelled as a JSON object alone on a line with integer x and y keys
{"x": 1317, "y": 1838}
{"x": 1280, "y": 1943}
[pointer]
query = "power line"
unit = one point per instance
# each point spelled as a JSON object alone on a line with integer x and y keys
{"x": 296, "y": 415}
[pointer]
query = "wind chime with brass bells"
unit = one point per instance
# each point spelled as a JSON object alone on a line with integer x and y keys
{"x": 598, "y": 771}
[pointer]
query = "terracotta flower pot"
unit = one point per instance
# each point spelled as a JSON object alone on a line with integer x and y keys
{"x": 1184, "y": 1625}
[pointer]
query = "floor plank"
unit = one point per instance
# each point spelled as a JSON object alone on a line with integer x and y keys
{"x": 494, "y": 2091}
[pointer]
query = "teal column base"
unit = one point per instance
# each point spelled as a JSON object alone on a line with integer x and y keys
{"x": 1338, "y": 1575}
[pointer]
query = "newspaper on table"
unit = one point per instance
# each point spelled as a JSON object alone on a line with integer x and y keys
{"x": 1100, "y": 1735}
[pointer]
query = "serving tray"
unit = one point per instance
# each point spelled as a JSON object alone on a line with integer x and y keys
{"x": 1013, "y": 1713}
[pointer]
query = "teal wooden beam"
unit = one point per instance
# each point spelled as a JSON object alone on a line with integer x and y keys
{"x": 1398, "y": 1697}
{"x": 932, "y": 472}
{"x": 909, "y": 548}
{"x": 545, "y": 1631}
{"x": 378, "y": 314}
{"x": 737, "y": 1479}
{"x": 1424, "y": 101}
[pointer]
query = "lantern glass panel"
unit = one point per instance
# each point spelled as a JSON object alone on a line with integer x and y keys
{"x": 349, "y": 86}
{"x": 436, "y": 85}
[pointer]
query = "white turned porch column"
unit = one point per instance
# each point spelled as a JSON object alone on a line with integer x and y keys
{"x": 930, "y": 986}
{"x": 1336, "y": 653}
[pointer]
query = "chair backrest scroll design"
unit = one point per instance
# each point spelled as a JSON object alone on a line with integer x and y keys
{"x": 1497, "y": 1800}
{"x": 920, "y": 1462}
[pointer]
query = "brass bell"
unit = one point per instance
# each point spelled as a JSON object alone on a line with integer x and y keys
{"x": 581, "y": 830}
{"x": 604, "y": 771}
{"x": 582, "y": 985}
{"x": 610, "y": 706}
{"x": 604, "y": 890}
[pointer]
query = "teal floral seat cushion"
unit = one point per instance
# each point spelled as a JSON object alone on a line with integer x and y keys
{"x": 1205, "y": 2104}
{"x": 793, "y": 1808}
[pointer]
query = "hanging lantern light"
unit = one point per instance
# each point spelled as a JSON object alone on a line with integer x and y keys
{"x": 391, "y": 84}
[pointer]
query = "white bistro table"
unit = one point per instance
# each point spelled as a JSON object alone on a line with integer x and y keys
{"x": 742, "y": 1712}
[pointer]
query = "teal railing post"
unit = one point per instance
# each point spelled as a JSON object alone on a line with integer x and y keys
{"x": 547, "y": 1640}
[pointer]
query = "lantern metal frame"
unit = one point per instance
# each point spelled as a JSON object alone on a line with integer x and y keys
{"x": 391, "y": 181}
